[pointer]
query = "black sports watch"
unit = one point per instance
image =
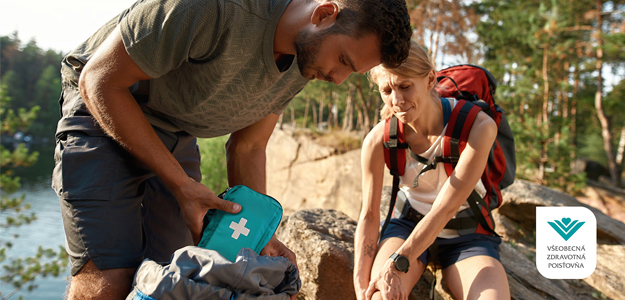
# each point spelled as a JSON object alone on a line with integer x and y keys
{"x": 401, "y": 262}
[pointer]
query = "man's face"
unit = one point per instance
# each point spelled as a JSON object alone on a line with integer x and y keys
{"x": 333, "y": 57}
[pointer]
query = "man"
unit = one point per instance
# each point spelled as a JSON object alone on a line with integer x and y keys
{"x": 138, "y": 92}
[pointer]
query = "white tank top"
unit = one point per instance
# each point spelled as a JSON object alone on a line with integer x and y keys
{"x": 431, "y": 182}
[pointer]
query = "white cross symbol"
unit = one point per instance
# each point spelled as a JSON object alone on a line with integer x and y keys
{"x": 239, "y": 228}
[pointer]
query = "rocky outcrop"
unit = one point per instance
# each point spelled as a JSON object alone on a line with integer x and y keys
{"x": 323, "y": 241}
{"x": 517, "y": 219}
{"x": 302, "y": 174}
{"x": 320, "y": 189}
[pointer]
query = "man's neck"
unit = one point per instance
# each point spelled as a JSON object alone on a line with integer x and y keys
{"x": 295, "y": 17}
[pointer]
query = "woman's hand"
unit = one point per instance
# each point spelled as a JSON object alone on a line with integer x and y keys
{"x": 389, "y": 283}
{"x": 361, "y": 294}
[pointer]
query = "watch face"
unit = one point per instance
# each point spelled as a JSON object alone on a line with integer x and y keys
{"x": 402, "y": 263}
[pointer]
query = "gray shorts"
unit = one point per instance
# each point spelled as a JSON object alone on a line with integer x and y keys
{"x": 115, "y": 210}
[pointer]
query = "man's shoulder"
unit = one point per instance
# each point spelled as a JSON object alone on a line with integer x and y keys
{"x": 261, "y": 8}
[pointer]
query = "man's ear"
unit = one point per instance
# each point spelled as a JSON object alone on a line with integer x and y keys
{"x": 325, "y": 14}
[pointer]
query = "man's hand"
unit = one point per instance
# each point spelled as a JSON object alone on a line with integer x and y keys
{"x": 276, "y": 248}
{"x": 195, "y": 199}
{"x": 389, "y": 283}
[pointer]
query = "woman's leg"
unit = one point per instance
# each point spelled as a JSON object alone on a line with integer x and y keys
{"x": 388, "y": 247}
{"x": 478, "y": 277}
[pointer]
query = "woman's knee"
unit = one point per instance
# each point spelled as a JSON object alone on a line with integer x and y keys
{"x": 478, "y": 277}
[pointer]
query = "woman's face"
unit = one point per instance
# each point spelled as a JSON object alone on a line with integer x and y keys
{"x": 405, "y": 95}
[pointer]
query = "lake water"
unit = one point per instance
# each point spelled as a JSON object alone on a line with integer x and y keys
{"x": 46, "y": 231}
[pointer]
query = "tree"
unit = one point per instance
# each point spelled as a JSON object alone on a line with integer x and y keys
{"x": 446, "y": 27}
{"x": 34, "y": 79}
{"x": 46, "y": 96}
{"x": 531, "y": 54}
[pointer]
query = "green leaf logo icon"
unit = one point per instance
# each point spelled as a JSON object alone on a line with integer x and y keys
{"x": 565, "y": 227}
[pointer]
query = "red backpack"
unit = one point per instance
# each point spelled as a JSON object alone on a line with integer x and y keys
{"x": 474, "y": 87}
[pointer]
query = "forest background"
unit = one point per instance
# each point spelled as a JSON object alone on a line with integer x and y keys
{"x": 551, "y": 59}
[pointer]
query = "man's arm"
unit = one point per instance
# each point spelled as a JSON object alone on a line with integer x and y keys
{"x": 104, "y": 86}
{"x": 245, "y": 151}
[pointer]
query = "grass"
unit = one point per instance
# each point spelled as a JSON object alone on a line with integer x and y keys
{"x": 213, "y": 163}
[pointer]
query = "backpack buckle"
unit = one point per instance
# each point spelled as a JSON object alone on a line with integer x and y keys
{"x": 429, "y": 165}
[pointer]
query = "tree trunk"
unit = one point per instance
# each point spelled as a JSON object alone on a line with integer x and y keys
{"x": 335, "y": 115}
{"x": 430, "y": 17}
{"x": 576, "y": 83}
{"x": 545, "y": 72}
{"x": 621, "y": 149}
{"x": 306, "y": 112}
{"x": 437, "y": 31}
{"x": 543, "y": 121}
{"x": 565, "y": 93}
{"x": 314, "y": 110}
{"x": 605, "y": 125}
{"x": 293, "y": 125}
{"x": 349, "y": 110}
{"x": 359, "y": 123}
{"x": 281, "y": 120}
{"x": 376, "y": 115}
{"x": 321, "y": 107}
{"x": 366, "y": 126}
{"x": 334, "y": 110}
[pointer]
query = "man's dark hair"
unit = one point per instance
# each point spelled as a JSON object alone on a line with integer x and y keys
{"x": 388, "y": 19}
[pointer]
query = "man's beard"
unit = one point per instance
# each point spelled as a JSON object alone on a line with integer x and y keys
{"x": 307, "y": 46}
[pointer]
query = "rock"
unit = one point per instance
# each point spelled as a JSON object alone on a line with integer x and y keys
{"x": 525, "y": 280}
{"x": 607, "y": 198}
{"x": 302, "y": 175}
{"x": 608, "y": 277}
{"x": 323, "y": 241}
{"x": 519, "y": 207}
{"x": 521, "y": 198}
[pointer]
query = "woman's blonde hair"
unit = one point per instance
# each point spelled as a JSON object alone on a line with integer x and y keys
{"x": 417, "y": 65}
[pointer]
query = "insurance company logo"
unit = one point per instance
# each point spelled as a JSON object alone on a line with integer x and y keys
{"x": 566, "y": 242}
{"x": 565, "y": 227}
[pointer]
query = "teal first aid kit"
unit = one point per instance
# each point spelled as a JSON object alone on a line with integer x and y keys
{"x": 252, "y": 227}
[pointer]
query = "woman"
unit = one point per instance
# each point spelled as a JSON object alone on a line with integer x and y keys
{"x": 470, "y": 263}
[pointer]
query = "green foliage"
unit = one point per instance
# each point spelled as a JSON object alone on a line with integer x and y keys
{"x": 47, "y": 91}
{"x": 31, "y": 79}
{"x": 20, "y": 272}
{"x": 213, "y": 164}
{"x": 544, "y": 60}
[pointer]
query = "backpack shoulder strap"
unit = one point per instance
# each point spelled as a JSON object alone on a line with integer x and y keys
{"x": 394, "y": 145}
{"x": 395, "y": 159}
{"x": 446, "y": 110}
{"x": 460, "y": 122}
{"x": 456, "y": 136}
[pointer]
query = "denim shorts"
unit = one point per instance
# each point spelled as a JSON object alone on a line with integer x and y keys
{"x": 450, "y": 251}
{"x": 116, "y": 211}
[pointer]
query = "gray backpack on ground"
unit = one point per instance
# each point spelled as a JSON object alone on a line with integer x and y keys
{"x": 197, "y": 273}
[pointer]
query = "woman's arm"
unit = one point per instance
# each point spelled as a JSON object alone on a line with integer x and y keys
{"x": 366, "y": 236}
{"x": 455, "y": 191}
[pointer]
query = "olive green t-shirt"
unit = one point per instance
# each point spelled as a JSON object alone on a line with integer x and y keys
{"x": 211, "y": 61}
